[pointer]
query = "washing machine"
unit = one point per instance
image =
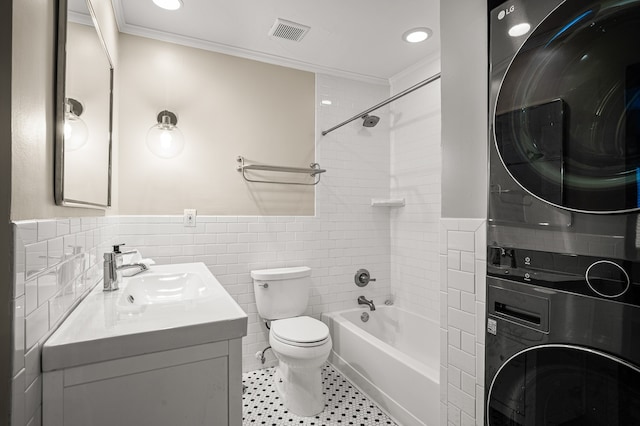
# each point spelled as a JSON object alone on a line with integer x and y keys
{"x": 563, "y": 259}
{"x": 563, "y": 340}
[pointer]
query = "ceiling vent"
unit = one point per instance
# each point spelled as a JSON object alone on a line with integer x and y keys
{"x": 288, "y": 30}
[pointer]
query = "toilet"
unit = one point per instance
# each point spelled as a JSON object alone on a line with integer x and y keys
{"x": 301, "y": 343}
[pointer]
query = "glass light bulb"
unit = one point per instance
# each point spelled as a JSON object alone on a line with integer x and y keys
{"x": 68, "y": 130}
{"x": 76, "y": 132}
{"x": 165, "y": 140}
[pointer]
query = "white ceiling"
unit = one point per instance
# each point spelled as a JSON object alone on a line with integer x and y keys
{"x": 354, "y": 38}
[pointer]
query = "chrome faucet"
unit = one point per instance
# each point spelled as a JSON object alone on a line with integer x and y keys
{"x": 363, "y": 301}
{"x": 111, "y": 280}
{"x": 113, "y": 264}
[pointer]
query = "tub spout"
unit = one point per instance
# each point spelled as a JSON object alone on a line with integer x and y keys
{"x": 363, "y": 301}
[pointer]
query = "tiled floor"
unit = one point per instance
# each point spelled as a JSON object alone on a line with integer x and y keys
{"x": 345, "y": 405}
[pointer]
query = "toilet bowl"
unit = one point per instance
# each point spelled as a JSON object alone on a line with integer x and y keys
{"x": 300, "y": 343}
{"x": 301, "y": 356}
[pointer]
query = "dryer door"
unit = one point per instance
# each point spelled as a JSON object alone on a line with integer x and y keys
{"x": 564, "y": 385}
{"x": 567, "y": 114}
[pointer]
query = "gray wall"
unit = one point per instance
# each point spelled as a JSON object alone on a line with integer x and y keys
{"x": 464, "y": 108}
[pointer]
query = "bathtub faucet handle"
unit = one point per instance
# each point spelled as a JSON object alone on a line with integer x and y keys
{"x": 363, "y": 277}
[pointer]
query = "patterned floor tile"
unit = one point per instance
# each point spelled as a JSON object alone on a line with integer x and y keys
{"x": 345, "y": 404}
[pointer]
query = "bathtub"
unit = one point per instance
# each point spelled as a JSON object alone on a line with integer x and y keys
{"x": 393, "y": 357}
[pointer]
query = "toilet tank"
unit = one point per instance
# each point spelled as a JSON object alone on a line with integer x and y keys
{"x": 283, "y": 292}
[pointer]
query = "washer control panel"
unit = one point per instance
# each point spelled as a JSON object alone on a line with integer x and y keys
{"x": 612, "y": 279}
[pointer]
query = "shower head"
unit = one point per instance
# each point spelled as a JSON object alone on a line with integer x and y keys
{"x": 370, "y": 120}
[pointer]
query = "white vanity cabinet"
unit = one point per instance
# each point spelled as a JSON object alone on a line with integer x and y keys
{"x": 165, "y": 364}
{"x": 198, "y": 385}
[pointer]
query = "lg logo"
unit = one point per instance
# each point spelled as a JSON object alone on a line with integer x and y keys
{"x": 505, "y": 12}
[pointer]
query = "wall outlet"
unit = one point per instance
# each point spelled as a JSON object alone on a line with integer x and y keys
{"x": 189, "y": 218}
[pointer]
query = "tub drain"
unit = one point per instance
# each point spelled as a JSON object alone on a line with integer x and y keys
{"x": 364, "y": 317}
{"x": 131, "y": 299}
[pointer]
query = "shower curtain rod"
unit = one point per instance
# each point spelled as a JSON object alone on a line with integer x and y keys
{"x": 383, "y": 103}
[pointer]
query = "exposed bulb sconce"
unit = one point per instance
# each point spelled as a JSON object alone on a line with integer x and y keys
{"x": 76, "y": 132}
{"x": 165, "y": 139}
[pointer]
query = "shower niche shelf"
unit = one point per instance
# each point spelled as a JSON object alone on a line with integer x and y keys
{"x": 387, "y": 202}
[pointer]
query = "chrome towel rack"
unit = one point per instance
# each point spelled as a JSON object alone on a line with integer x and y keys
{"x": 313, "y": 170}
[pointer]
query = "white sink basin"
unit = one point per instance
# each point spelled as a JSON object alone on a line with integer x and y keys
{"x": 166, "y": 307}
{"x": 152, "y": 288}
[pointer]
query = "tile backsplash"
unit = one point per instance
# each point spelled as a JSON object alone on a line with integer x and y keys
{"x": 56, "y": 263}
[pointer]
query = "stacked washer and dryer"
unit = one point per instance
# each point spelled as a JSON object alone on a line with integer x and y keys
{"x": 563, "y": 259}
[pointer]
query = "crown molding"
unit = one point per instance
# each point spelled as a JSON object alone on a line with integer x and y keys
{"x": 423, "y": 63}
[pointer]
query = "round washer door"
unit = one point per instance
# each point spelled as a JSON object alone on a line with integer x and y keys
{"x": 567, "y": 115}
{"x": 564, "y": 385}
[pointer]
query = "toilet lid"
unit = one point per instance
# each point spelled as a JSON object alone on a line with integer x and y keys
{"x": 300, "y": 330}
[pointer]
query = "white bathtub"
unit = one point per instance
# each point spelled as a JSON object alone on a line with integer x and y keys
{"x": 393, "y": 357}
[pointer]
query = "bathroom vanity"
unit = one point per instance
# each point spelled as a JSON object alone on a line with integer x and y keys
{"x": 164, "y": 349}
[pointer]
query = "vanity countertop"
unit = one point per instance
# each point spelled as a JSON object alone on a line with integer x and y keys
{"x": 111, "y": 325}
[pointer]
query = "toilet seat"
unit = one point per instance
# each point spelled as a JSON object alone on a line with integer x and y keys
{"x": 300, "y": 331}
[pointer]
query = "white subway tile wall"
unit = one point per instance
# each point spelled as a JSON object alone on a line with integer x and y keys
{"x": 56, "y": 262}
{"x": 462, "y": 318}
{"x": 415, "y": 176}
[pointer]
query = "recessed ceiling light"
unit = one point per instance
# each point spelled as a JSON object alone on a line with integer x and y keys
{"x": 519, "y": 29}
{"x": 326, "y": 102}
{"x": 416, "y": 35}
{"x": 169, "y": 4}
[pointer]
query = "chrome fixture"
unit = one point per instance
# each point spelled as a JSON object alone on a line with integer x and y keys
{"x": 313, "y": 170}
{"x": 165, "y": 139}
{"x": 385, "y": 102}
{"x": 363, "y": 301}
{"x": 111, "y": 281}
{"x": 370, "y": 120}
{"x": 113, "y": 264}
{"x": 362, "y": 278}
{"x": 364, "y": 317}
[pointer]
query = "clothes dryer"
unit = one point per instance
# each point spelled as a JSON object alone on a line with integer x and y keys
{"x": 557, "y": 358}
{"x": 562, "y": 344}
{"x": 565, "y": 126}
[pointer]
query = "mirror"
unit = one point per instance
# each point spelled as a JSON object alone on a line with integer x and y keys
{"x": 84, "y": 109}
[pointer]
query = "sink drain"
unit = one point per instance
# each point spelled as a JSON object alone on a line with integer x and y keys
{"x": 131, "y": 299}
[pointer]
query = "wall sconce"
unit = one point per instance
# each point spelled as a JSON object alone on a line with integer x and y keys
{"x": 76, "y": 132}
{"x": 165, "y": 139}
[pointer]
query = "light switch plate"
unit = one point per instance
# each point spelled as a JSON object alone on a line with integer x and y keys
{"x": 189, "y": 218}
